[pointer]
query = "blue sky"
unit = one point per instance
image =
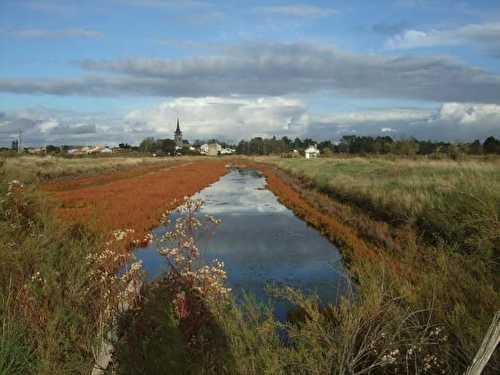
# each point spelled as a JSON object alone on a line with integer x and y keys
{"x": 119, "y": 70}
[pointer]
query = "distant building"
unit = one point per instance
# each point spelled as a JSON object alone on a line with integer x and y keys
{"x": 227, "y": 151}
{"x": 20, "y": 145}
{"x": 312, "y": 152}
{"x": 17, "y": 144}
{"x": 178, "y": 137}
{"x": 37, "y": 150}
{"x": 88, "y": 150}
{"x": 211, "y": 149}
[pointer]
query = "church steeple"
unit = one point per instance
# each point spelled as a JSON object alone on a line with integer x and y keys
{"x": 178, "y": 136}
{"x": 178, "y": 130}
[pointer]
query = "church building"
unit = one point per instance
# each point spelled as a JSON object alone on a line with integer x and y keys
{"x": 178, "y": 136}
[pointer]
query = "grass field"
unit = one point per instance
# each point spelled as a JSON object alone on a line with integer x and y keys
{"x": 58, "y": 273}
{"x": 457, "y": 201}
{"x": 425, "y": 310}
{"x": 34, "y": 169}
{"x": 439, "y": 220}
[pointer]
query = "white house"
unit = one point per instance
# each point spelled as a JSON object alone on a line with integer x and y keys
{"x": 211, "y": 149}
{"x": 312, "y": 152}
{"x": 227, "y": 151}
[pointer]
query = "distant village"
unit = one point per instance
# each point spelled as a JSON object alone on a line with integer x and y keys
{"x": 284, "y": 146}
{"x": 157, "y": 147}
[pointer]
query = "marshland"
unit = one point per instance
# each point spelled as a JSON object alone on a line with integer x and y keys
{"x": 288, "y": 265}
{"x": 274, "y": 187}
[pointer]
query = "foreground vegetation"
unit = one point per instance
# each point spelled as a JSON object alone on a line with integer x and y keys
{"x": 438, "y": 220}
{"x": 57, "y": 283}
{"x": 424, "y": 311}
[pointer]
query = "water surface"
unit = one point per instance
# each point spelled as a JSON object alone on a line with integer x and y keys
{"x": 261, "y": 242}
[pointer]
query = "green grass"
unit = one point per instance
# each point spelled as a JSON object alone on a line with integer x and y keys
{"x": 16, "y": 355}
{"x": 444, "y": 217}
{"x": 50, "y": 308}
{"x": 455, "y": 201}
{"x": 450, "y": 210}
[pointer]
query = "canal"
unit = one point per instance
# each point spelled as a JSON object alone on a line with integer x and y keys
{"x": 261, "y": 243}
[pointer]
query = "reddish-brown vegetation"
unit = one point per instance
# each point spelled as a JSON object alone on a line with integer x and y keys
{"x": 133, "y": 199}
{"x": 346, "y": 237}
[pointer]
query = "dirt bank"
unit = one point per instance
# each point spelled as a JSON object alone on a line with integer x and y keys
{"x": 322, "y": 213}
{"x": 134, "y": 199}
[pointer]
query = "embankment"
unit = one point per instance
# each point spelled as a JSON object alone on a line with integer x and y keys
{"x": 346, "y": 237}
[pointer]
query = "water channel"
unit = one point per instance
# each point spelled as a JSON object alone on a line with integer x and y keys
{"x": 261, "y": 243}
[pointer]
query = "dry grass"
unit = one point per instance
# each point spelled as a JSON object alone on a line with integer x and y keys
{"x": 30, "y": 169}
{"x": 437, "y": 220}
{"x": 458, "y": 201}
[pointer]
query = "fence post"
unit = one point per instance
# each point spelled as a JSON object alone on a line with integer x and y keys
{"x": 487, "y": 348}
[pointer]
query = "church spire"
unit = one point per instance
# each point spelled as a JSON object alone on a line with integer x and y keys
{"x": 178, "y": 136}
{"x": 178, "y": 130}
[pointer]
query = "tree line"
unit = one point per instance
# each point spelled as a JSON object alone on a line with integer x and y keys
{"x": 348, "y": 144}
{"x": 353, "y": 144}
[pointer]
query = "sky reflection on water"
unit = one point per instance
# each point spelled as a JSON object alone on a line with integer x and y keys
{"x": 261, "y": 242}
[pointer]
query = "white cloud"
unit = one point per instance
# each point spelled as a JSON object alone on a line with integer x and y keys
{"x": 230, "y": 118}
{"x": 471, "y": 114}
{"x": 42, "y": 126}
{"x": 486, "y": 35}
{"x": 235, "y": 118}
{"x": 376, "y": 116}
{"x": 450, "y": 122}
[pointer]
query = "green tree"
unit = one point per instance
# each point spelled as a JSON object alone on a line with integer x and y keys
{"x": 475, "y": 147}
{"x": 491, "y": 145}
{"x": 148, "y": 145}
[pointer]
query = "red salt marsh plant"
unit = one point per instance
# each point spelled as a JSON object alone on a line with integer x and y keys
{"x": 129, "y": 199}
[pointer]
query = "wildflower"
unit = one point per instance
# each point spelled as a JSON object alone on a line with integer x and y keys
{"x": 182, "y": 254}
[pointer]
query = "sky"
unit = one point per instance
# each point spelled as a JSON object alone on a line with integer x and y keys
{"x": 112, "y": 71}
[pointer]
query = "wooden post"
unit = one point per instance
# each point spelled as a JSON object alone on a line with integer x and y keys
{"x": 488, "y": 346}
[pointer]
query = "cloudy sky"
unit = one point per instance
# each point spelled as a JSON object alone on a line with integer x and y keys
{"x": 111, "y": 71}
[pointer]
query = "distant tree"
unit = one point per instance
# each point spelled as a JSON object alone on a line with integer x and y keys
{"x": 298, "y": 144}
{"x": 124, "y": 146}
{"x": 256, "y": 146}
{"x": 308, "y": 142}
{"x": 326, "y": 147}
{"x": 475, "y": 148}
{"x": 242, "y": 148}
{"x": 407, "y": 147}
{"x": 148, "y": 145}
{"x": 52, "y": 149}
{"x": 426, "y": 147}
{"x": 491, "y": 145}
{"x": 198, "y": 143}
{"x": 288, "y": 142}
{"x": 166, "y": 146}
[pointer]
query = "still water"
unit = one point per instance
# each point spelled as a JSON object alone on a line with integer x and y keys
{"x": 261, "y": 242}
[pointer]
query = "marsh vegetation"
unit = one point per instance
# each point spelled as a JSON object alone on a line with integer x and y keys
{"x": 421, "y": 239}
